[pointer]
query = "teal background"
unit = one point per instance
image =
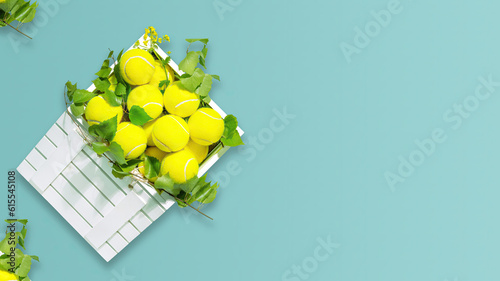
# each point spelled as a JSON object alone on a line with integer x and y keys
{"x": 323, "y": 174}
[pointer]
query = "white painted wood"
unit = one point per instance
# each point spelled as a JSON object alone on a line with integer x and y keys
{"x": 68, "y": 213}
{"x": 46, "y": 147}
{"x": 129, "y": 232}
{"x": 26, "y": 170}
{"x": 123, "y": 212}
{"x": 106, "y": 252}
{"x": 140, "y": 221}
{"x": 117, "y": 242}
{"x": 35, "y": 159}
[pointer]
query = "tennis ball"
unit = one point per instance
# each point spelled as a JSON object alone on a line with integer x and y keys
{"x": 137, "y": 67}
{"x": 160, "y": 75}
{"x": 131, "y": 138}
{"x": 206, "y": 126}
{"x": 199, "y": 151}
{"x": 99, "y": 110}
{"x": 5, "y": 275}
{"x": 148, "y": 128}
{"x": 147, "y": 97}
{"x": 180, "y": 165}
{"x": 170, "y": 133}
{"x": 152, "y": 152}
{"x": 179, "y": 101}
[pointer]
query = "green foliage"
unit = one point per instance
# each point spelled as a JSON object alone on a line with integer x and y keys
{"x": 105, "y": 130}
{"x": 23, "y": 261}
{"x": 195, "y": 189}
{"x": 138, "y": 116}
{"x": 82, "y": 96}
{"x": 152, "y": 167}
{"x": 231, "y": 136}
{"x": 17, "y": 10}
{"x": 116, "y": 150}
{"x": 112, "y": 98}
{"x": 99, "y": 147}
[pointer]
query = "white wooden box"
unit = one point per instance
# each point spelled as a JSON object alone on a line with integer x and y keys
{"x": 104, "y": 210}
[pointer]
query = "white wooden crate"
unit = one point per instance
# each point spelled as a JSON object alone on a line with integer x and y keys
{"x": 107, "y": 212}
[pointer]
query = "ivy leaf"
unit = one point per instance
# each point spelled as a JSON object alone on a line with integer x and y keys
{"x": 101, "y": 84}
{"x": 166, "y": 183}
{"x": 194, "y": 81}
{"x": 202, "y": 40}
{"x": 70, "y": 90}
{"x": 111, "y": 98}
{"x": 116, "y": 150}
{"x": 99, "y": 147}
{"x": 138, "y": 116}
{"x": 105, "y": 130}
{"x": 189, "y": 63}
{"x": 151, "y": 167}
{"x": 77, "y": 110}
{"x": 120, "y": 90}
{"x": 82, "y": 96}
{"x": 205, "y": 86}
{"x": 25, "y": 266}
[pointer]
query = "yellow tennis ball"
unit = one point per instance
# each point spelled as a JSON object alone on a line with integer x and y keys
{"x": 170, "y": 133}
{"x": 179, "y": 101}
{"x": 99, "y": 110}
{"x": 5, "y": 275}
{"x": 206, "y": 126}
{"x": 199, "y": 151}
{"x": 181, "y": 166}
{"x": 161, "y": 73}
{"x": 147, "y": 97}
{"x": 148, "y": 128}
{"x": 152, "y": 152}
{"x": 131, "y": 138}
{"x": 137, "y": 67}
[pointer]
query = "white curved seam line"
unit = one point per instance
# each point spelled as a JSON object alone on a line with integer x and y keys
{"x": 125, "y": 66}
{"x": 185, "y": 168}
{"x": 181, "y": 103}
{"x": 204, "y": 140}
{"x": 162, "y": 143}
{"x": 90, "y": 120}
{"x": 123, "y": 128}
{"x": 180, "y": 125}
{"x": 210, "y": 116}
{"x": 133, "y": 150}
{"x": 159, "y": 104}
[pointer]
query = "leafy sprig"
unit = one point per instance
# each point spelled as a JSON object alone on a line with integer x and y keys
{"x": 17, "y": 10}
{"x": 231, "y": 136}
{"x": 22, "y": 261}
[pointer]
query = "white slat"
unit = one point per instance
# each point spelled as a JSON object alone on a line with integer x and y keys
{"x": 129, "y": 232}
{"x": 26, "y": 170}
{"x": 102, "y": 182}
{"x": 76, "y": 200}
{"x": 87, "y": 188}
{"x": 58, "y": 160}
{"x": 153, "y": 210}
{"x": 56, "y": 135}
{"x": 46, "y": 147}
{"x": 106, "y": 252}
{"x": 68, "y": 213}
{"x": 117, "y": 242}
{"x": 140, "y": 221}
{"x": 164, "y": 201}
{"x": 35, "y": 159}
{"x": 123, "y": 212}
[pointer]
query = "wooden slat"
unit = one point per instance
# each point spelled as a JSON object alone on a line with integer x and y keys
{"x": 56, "y": 135}
{"x": 76, "y": 200}
{"x": 123, "y": 212}
{"x": 46, "y": 147}
{"x": 117, "y": 242}
{"x": 35, "y": 159}
{"x": 106, "y": 252}
{"x": 66, "y": 211}
{"x": 140, "y": 221}
{"x": 129, "y": 232}
{"x": 26, "y": 170}
{"x": 57, "y": 161}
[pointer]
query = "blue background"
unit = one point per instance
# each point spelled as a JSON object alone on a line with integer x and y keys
{"x": 323, "y": 175}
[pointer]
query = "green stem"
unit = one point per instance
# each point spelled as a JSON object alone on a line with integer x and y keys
{"x": 16, "y": 29}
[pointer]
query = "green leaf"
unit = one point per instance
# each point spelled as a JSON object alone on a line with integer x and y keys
{"x": 189, "y": 63}
{"x": 194, "y": 81}
{"x": 231, "y": 136}
{"x": 104, "y": 72}
{"x": 118, "y": 172}
{"x": 165, "y": 61}
{"x": 216, "y": 77}
{"x": 130, "y": 165}
{"x": 234, "y": 139}
{"x": 120, "y": 90}
{"x": 116, "y": 150}
{"x": 202, "y": 40}
{"x": 99, "y": 147}
{"x": 25, "y": 266}
{"x": 20, "y": 240}
{"x": 163, "y": 83}
{"x": 230, "y": 124}
{"x": 111, "y": 98}
{"x": 119, "y": 55}
{"x": 105, "y": 130}
{"x": 166, "y": 183}
{"x": 70, "y": 90}
{"x": 152, "y": 167}
{"x": 101, "y": 84}
{"x": 138, "y": 116}
{"x": 82, "y": 96}
{"x": 206, "y": 193}
{"x": 205, "y": 86}
{"x": 189, "y": 185}
{"x": 35, "y": 258}
{"x": 77, "y": 110}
